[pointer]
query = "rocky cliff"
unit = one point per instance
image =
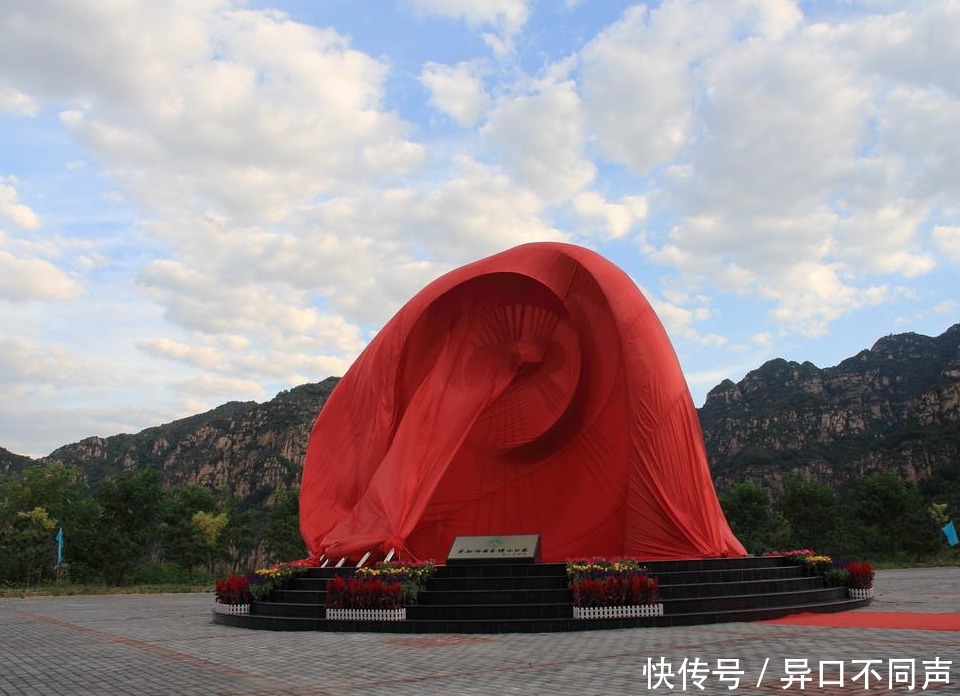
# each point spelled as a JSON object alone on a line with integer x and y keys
{"x": 251, "y": 449}
{"x": 895, "y": 406}
{"x": 11, "y": 463}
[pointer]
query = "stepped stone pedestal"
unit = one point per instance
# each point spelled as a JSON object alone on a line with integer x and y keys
{"x": 534, "y": 597}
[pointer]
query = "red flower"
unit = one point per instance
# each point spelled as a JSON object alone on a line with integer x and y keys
{"x": 861, "y": 575}
{"x": 235, "y": 589}
{"x": 363, "y": 593}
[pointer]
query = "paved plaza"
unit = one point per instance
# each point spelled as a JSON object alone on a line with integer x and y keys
{"x": 167, "y": 644}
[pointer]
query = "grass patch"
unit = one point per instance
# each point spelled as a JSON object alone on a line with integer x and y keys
{"x": 68, "y": 589}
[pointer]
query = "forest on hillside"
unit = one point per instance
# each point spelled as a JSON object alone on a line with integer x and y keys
{"x": 129, "y": 530}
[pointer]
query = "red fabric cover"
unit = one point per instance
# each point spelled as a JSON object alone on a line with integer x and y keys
{"x": 531, "y": 392}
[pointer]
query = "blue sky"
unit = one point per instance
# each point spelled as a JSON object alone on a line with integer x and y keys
{"x": 214, "y": 200}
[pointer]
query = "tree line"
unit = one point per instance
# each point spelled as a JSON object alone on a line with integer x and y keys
{"x": 878, "y": 516}
{"x": 129, "y": 529}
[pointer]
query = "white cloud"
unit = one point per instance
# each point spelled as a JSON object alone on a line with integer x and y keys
{"x": 639, "y": 77}
{"x": 915, "y": 126}
{"x": 457, "y": 91}
{"x": 205, "y": 357}
{"x": 479, "y": 212}
{"x": 917, "y": 46}
{"x": 239, "y": 112}
{"x": 947, "y": 240}
{"x": 681, "y": 312}
{"x": 275, "y": 207}
{"x": 945, "y": 307}
{"x": 201, "y": 303}
{"x": 884, "y": 240}
{"x": 811, "y": 295}
{"x": 23, "y": 279}
{"x": 796, "y": 174}
{"x": 19, "y": 214}
{"x": 611, "y": 220}
{"x": 207, "y": 388}
{"x": 540, "y": 139}
{"x": 507, "y": 17}
{"x": 16, "y": 102}
{"x": 27, "y": 361}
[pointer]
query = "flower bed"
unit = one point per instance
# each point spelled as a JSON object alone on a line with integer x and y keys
{"x": 241, "y": 590}
{"x": 856, "y": 576}
{"x": 233, "y": 590}
{"x": 612, "y": 588}
{"x": 379, "y": 593}
{"x": 411, "y": 576}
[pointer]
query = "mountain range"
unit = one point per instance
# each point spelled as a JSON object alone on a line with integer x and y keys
{"x": 893, "y": 406}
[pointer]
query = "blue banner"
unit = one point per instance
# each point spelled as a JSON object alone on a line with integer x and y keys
{"x": 951, "y": 533}
{"x": 60, "y": 546}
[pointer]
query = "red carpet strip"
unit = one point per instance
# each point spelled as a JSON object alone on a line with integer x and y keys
{"x": 875, "y": 619}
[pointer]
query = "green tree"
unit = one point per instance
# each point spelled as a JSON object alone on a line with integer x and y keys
{"x": 208, "y": 528}
{"x": 892, "y": 519}
{"x": 27, "y": 545}
{"x": 752, "y": 518}
{"x": 284, "y": 542}
{"x": 182, "y": 545}
{"x": 241, "y": 537}
{"x": 812, "y": 509}
{"x": 55, "y": 488}
{"x": 126, "y": 528}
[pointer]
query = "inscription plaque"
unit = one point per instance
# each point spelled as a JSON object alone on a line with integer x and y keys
{"x": 524, "y": 548}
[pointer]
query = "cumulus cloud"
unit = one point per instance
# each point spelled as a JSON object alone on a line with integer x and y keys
{"x": 240, "y": 112}
{"x": 800, "y": 160}
{"x": 457, "y": 91}
{"x": 810, "y": 296}
{"x": 25, "y": 361}
{"x": 202, "y": 303}
{"x": 947, "y": 240}
{"x": 682, "y": 313}
{"x": 480, "y": 211}
{"x": 506, "y": 17}
{"x": 10, "y": 207}
{"x": 540, "y": 140}
{"x": 598, "y": 216}
{"x": 23, "y": 279}
{"x": 638, "y": 77}
{"x": 16, "y": 102}
{"x": 277, "y": 208}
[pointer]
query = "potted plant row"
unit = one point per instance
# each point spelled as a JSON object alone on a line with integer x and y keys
{"x": 379, "y": 593}
{"x": 234, "y": 593}
{"x": 856, "y": 576}
{"x": 612, "y": 589}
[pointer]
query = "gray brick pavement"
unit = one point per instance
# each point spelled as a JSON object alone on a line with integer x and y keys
{"x": 167, "y": 644}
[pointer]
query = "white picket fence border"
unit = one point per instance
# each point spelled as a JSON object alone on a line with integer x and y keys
{"x": 367, "y": 614}
{"x": 859, "y": 594}
{"x": 219, "y": 608}
{"x": 631, "y": 611}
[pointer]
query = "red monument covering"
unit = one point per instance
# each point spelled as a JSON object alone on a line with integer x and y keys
{"x": 531, "y": 392}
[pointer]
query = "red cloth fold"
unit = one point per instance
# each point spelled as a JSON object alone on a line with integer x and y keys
{"x": 534, "y": 391}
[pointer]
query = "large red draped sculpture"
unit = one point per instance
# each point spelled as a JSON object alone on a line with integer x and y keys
{"x": 531, "y": 392}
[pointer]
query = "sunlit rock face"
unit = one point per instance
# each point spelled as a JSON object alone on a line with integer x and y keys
{"x": 895, "y": 406}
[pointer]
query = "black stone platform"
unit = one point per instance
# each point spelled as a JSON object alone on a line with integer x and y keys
{"x": 533, "y": 598}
